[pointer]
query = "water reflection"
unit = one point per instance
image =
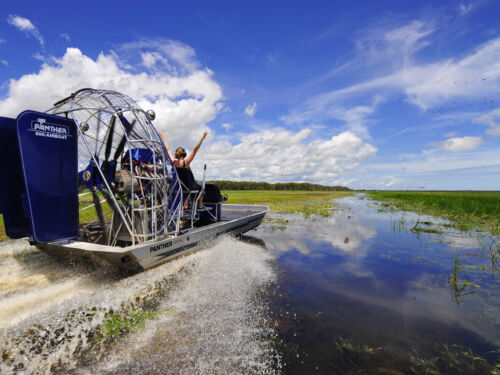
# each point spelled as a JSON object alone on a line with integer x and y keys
{"x": 345, "y": 231}
{"x": 382, "y": 278}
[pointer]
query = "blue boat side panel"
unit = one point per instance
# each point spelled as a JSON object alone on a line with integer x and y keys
{"x": 12, "y": 190}
{"x": 48, "y": 149}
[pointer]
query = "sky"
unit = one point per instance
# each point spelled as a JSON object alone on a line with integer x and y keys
{"x": 366, "y": 94}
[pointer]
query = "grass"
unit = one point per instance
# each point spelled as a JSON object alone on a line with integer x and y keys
{"x": 3, "y": 236}
{"x": 131, "y": 320}
{"x": 467, "y": 210}
{"x": 305, "y": 202}
{"x": 451, "y": 359}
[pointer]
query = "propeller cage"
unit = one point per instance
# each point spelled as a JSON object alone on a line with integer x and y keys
{"x": 128, "y": 184}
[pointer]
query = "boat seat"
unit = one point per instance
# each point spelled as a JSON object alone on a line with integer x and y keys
{"x": 187, "y": 179}
{"x": 191, "y": 192}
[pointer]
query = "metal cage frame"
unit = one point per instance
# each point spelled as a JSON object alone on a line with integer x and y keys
{"x": 145, "y": 214}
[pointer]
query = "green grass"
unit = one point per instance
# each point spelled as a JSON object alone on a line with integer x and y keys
{"x": 305, "y": 202}
{"x": 131, "y": 320}
{"x": 3, "y": 236}
{"x": 468, "y": 210}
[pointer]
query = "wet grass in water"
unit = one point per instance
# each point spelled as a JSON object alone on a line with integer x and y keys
{"x": 468, "y": 210}
{"x": 459, "y": 282}
{"x": 425, "y": 227}
{"x": 131, "y": 320}
{"x": 451, "y": 360}
{"x": 305, "y": 202}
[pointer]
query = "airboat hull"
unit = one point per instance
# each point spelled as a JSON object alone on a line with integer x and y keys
{"x": 236, "y": 219}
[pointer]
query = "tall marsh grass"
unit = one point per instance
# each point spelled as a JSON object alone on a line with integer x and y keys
{"x": 469, "y": 210}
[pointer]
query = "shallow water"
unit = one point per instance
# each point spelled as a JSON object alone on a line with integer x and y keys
{"x": 366, "y": 290}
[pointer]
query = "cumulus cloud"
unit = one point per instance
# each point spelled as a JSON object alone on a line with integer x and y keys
{"x": 149, "y": 59}
{"x": 461, "y": 143}
{"x": 251, "y": 109}
{"x": 186, "y": 98}
{"x": 280, "y": 155}
{"x": 184, "y": 103}
{"x": 25, "y": 25}
{"x": 226, "y": 126}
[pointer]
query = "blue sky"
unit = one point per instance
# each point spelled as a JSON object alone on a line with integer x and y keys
{"x": 386, "y": 94}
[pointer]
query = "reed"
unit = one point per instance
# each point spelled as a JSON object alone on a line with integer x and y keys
{"x": 467, "y": 210}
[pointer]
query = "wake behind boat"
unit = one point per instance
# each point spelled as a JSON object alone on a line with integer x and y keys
{"x": 92, "y": 176}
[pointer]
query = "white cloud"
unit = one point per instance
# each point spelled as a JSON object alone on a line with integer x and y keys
{"x": 2, "y": 40}
{"x": 25, "y": 25}
{"x": 177, "y": 57}
{"x": 149, "y": 59}
{"x": 474, "y": 76}
{"x": 451, "y": 134}
{"x": 461, "y": 143}
{"x": 183, "y": 103}
{"x": 409, "y": 38}
{"x": 226, "y": 126}
{"x": 280, "y": 155}
{"x": 464, "y": 9}
{"x": 65, "y": 37}
{"x": 490, "y": 119}
{"x": 251, "y": 109}
{"x": 390, "y": 181}
{"x": 5, "y": 62}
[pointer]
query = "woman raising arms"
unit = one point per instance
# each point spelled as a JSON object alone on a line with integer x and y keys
{"x": 181, "y": 159}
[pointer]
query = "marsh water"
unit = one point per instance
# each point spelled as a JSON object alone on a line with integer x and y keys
{"x": 366, "y": 290}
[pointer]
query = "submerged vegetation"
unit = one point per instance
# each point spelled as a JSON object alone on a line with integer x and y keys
{"x": 467, "y": 210}
{"x": 131, "y": 320}
{"x": 305, "y": 202}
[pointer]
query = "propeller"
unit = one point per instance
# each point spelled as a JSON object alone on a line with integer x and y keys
{"x": 108, "y": 167}
{"x": 128, "y": 128}
{"x": 100, "y": 215}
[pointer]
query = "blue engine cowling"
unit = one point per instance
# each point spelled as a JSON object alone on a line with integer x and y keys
{"x": 38, "y": 165}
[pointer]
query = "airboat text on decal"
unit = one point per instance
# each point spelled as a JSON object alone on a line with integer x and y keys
{"x": 44, "y": 129}
{"x": 154, "y": 249}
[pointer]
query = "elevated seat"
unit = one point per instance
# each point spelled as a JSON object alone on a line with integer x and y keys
{"x": 187, "y": 179}
{"x": 192, "y": 192}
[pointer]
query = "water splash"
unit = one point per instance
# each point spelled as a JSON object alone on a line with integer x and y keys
{"x": 210, "y": 318}
{"x": 216, "y": 321}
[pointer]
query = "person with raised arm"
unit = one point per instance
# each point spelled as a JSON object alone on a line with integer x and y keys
{"x": 183, "y": 161}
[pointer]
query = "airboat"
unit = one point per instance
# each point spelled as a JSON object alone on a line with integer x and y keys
{"x": 91, "y": 176}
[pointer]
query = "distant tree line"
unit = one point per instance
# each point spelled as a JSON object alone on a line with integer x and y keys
{"x": 250, "y": 185}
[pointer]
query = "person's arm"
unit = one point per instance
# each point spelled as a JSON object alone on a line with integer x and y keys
{"x": 192, "y": 154}
{"x": 166, "y": 145}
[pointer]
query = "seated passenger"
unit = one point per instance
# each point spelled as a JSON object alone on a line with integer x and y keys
{"x": 182, "y": 160}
